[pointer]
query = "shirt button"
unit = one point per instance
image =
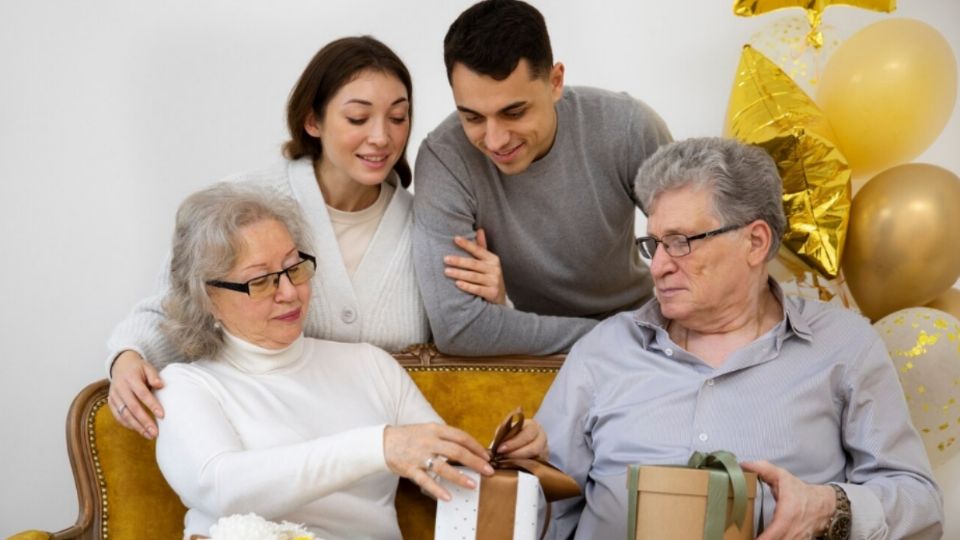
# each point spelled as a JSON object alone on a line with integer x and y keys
{"x": 668, "y": 352}
{"x": 703, "y": 437}
{"x": 348, "y": 315}
{"x": 709, "y": 382}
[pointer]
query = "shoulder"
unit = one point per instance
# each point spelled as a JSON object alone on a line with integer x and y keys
{"x": 605, "y": 341}
{"x": 828, "y": 321}
{"x": 616, "y": 105}
{"x": 447, "y": 132}
{"x": 276, "y": 175}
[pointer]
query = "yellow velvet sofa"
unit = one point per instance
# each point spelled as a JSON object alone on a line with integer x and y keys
{"x": 122, "y": 495}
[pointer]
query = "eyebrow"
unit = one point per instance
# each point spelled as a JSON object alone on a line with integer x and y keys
{"x": 265, "y": 265}
{"x": 514, "y": 105}
{"x": 397, "y": 101}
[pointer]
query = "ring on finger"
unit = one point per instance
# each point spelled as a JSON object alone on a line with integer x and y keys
{"x": 122, "y": 408}
{"x": 428, "y": 464}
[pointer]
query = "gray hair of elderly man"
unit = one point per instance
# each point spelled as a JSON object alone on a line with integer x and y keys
{"x": 206, "y": 244}
{"x": 743, "y": 180}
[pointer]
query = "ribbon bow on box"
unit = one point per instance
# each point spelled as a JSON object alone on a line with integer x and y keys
{"x": 725, "y": 476}
{"x": 498, "y": 493}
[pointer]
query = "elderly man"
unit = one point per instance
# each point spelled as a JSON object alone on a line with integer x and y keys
{"x": 720, "y": 359}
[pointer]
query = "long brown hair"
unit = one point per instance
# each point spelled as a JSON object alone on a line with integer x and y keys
{"x": 335, "y": 65}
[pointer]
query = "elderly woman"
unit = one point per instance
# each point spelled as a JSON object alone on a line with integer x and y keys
{"x": 720, "y": 359}
{"x": 349, "y": 118}
{"x": 264, "y": 420}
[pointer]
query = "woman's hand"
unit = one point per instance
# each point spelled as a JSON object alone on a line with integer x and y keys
{"x": 479, "y": 275}
{"x": 129, "y": 393}
{"x": 413, "y": 449}
{"x": 531, "y": 442}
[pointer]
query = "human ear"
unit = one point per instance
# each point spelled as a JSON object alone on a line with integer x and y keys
{"x": 556, "y": 81}
{"x": 311, "y": 125}
{"x": 761, "y": 236}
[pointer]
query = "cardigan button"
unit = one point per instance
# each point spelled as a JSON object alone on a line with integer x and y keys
{"x": 348, "y": 315}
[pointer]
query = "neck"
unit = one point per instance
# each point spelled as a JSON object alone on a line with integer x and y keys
{"x": 714, "y": 344}
{"x": 342, "y": 192}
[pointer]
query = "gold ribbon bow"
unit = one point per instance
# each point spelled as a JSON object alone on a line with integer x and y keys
{"x": 498, "y": 493}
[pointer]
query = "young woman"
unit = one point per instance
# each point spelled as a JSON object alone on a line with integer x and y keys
{"x": 349, "y": 117}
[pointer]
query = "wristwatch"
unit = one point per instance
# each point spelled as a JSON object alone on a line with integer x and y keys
{"x": 839, "y": 528}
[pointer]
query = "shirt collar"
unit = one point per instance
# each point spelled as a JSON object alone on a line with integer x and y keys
{"x": 651, "y": 320}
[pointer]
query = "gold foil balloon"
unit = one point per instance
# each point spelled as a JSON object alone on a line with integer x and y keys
{"x": 768, "y": 109}
{"x": 784, "y": 41}
{"x": 888, "y": 91}
{"x": 799, "y": 280}
{"x": 902, "y": 244}
{"x": 813, "y": 8}
{"x": 925, "y": 347}
{"x": 948, "y": 302}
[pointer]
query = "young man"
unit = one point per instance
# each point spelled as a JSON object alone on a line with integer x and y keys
{"x": 545, "y": 171}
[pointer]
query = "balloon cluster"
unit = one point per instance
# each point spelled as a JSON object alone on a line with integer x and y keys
{"x": 881, "y": 98}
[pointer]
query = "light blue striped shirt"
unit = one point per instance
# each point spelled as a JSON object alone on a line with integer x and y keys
{"x": 816, "y": 395}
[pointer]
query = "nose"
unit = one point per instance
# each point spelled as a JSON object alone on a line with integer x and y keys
{"x": 378, "y": 135}
{"x": 496, "y": 136}
{"x": 286, "y": 290}
{"x": 662, "y": 263}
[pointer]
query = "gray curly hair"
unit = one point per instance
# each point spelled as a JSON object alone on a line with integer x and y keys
{"x": 206, "y": 246}
{"x": 743, "y": 180}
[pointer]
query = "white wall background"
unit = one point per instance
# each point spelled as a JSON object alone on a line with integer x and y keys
{"x": 112, "y": 111}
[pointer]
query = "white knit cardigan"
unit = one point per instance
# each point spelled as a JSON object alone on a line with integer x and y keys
{"x": 380, "y": 304}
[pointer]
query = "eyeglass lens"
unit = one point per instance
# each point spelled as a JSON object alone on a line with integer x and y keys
{"x": 298, "y": 274}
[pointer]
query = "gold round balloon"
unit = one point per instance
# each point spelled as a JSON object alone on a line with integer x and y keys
{"x": 888, "y": 91}
{"x": 902, "y": 239}
{"x": 923, "y": 344}
{"x": 948, "y": 302}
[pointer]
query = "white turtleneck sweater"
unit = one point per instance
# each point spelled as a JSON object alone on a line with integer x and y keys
{"x": 293, "y": 434}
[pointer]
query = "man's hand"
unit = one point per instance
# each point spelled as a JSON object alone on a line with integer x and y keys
{"x": 129, "y": 393}
{"x": 480, "y": 274}
{"x": 803, "y": 510}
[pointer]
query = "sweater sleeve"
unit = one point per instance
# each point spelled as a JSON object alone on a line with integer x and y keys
{"x": 464, "y": 324}
{"x": 140, "y": 331}
{"x": 205, "y": 462}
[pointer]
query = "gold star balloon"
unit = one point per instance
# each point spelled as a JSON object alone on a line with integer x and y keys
{"x": 924, "y": 344}
{"x": 768, "y": 109}
{"x": 813, "y": 8}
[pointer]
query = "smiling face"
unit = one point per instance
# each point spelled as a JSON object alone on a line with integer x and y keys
{"x": 717, "y": 273}
{"x": 364, "y": 129}
{"x": 512, "y": 121}
{"x": 273, "y": 322}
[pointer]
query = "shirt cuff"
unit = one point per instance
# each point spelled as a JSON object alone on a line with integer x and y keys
{"x": 866, "y": 513}
{"x": 368, "y": 455}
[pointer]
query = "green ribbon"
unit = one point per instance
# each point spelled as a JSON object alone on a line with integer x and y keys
{"x": 725, "y": 474}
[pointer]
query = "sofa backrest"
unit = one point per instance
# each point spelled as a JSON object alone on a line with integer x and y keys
{"x": 123, "y": 495}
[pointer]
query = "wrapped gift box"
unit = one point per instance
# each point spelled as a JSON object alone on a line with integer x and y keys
{"x": 463, "y": 517}
{"x": 673, "y": 502}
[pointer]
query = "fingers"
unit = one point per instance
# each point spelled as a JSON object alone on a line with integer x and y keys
{"x": 129, "y": 393}
{"x": 474, "y": 248}
{"x": 481, "y": 274}
{"x": 482, "y": 238}
{"x": 531, "y": 442}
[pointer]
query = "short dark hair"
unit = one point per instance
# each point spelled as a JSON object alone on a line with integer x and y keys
{"x": 492, "y": 36}
{"x": 335, "y": 65}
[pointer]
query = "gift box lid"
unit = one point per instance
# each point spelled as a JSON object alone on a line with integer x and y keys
{"x": 682, "y": 481}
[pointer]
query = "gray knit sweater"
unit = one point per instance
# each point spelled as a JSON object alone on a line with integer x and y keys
{"x": 563, "y": 229}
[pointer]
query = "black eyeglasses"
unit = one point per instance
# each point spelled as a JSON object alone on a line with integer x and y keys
{"x": 267, "y": 284}
{"x": 677, "y": 245}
